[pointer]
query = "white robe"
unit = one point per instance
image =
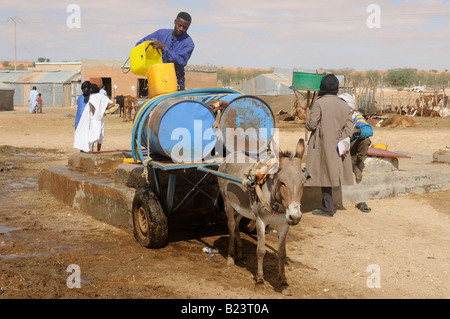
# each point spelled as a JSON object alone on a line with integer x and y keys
{"x": 33, "y": 100}
{"x": 91, "y": 127}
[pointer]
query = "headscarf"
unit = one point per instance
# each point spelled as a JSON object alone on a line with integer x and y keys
{"x": 350, "y": 99}
{"x": 94, "y": 88}
{"x": 329, "y": 85}
{"x": 84, "y": 85}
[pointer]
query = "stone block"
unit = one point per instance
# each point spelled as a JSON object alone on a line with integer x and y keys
{"x": 442, "y": 155}
{"x": 96, "y": 162}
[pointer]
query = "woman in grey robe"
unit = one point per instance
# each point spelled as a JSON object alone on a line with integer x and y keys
{"x": 330, "y": 121}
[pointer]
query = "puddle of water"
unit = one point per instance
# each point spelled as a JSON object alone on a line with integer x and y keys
{"x": 25, "y": 183}
{"x": 60, "y": 247}
{"x": 6, "y": 229}
{"x": 12, "y": 256}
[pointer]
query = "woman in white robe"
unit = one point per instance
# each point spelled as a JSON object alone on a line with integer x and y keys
{"x": 91, "y": 128}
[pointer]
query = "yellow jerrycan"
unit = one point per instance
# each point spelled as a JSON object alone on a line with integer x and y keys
{"x": 142, "y": 57}
{"x": 162, "y": 79}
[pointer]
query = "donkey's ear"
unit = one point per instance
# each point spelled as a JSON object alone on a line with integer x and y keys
{"x": 300, "y": 150}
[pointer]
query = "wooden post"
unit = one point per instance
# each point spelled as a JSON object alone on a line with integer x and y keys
{"x": 382, "y": 95}
{"x": 307, "y": 114}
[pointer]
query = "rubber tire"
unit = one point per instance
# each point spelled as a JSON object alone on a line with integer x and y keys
{"x": 150, "y": 223}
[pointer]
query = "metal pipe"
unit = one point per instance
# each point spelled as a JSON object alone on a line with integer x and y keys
{"x": 238, "y": 180}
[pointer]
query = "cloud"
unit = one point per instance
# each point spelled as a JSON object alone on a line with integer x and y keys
{"x": 250, "y": 33}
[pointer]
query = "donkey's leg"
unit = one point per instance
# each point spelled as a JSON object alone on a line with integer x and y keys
{"x": 282, "y": 235}
{"x": 229, "y": 211}
{"x": 260, "y": 252}
{"x": 237, "y": 234}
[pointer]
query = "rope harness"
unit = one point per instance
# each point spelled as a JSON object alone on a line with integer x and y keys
{"x": 259, "y": 172}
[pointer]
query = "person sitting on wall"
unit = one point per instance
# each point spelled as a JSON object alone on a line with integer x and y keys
{"x": 360, "y": 141}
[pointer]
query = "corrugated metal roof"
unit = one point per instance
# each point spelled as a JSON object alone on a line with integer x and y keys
{"x": 11, "y": 76}
{"x": 25, "y": 77}
{"x": 30, "y": 77}
{"x": 5, "y": 87}
{"x": 58, "y": 76}
{"x": 284, "y": 79}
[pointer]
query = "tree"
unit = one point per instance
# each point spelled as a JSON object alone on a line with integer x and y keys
{"x": 401, "y": 77}
{"x": 375, "y": 76}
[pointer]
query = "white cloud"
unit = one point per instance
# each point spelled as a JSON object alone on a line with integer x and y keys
{"x": 250, "y": 33}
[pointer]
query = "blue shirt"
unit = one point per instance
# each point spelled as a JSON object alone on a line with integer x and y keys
{"x": 80, "y": 108}
{"x": 366, "y": 129}
{"x": 178, "y": 50}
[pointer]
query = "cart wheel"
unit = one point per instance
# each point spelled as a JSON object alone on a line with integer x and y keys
{"x": 150, "y": 224}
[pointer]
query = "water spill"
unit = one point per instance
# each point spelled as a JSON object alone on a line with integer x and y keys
{"x": 6, "y": 229}
{"x": 60, "y": 247}
{"x": 12, "y": 256}
{"x": 24, "y": 183}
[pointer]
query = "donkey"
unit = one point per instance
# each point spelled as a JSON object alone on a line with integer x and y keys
{"x": 281, "y": 194}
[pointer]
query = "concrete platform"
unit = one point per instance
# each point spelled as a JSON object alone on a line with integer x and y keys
{"x": 104, "y": 187}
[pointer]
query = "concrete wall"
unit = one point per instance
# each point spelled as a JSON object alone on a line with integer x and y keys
{"x": 127, "y": 84}
{"x": 56, "y": 66}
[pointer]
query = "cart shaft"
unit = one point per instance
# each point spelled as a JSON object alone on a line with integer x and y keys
{"x": 249, "y": 183}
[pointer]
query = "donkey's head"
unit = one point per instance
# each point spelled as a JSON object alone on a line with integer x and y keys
{"x": 288, "y": 184}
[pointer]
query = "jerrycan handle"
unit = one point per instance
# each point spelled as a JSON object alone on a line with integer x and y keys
{"x": 158, "y": 50}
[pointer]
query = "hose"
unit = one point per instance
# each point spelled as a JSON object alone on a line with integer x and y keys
{"x": 148, "y": 107}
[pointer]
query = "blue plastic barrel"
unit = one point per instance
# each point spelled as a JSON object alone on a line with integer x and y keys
{"x": 181, "y": 130}
{"x": 247, "y": 124}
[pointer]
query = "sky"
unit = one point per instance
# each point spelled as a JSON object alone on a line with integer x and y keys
{"x": 304, "y": 35}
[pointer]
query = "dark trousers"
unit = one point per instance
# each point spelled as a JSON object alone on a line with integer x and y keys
{"x": 358, "y": 151}
{"x": 327, "y": 200}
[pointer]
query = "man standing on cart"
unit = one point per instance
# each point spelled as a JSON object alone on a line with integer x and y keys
{"x": 176, "y": 45}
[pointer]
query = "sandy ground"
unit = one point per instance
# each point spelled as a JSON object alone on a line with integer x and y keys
{"x": 398, "y": 250}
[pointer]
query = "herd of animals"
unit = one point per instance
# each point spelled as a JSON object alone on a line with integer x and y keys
{"x": 126, "y": 104}
{"x": 431, "y": 105}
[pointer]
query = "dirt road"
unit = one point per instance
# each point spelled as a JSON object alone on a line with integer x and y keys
{"x": 398, "y": 250}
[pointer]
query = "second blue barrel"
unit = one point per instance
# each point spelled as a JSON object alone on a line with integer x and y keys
{"x": 247, "y": 124}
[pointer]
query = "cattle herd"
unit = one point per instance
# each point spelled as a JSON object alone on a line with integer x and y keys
{"x": 434, "y": 105}
{"x": 127, "y": 104}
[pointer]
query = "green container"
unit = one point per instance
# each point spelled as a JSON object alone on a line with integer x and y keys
{"x": 306, "y": 81}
